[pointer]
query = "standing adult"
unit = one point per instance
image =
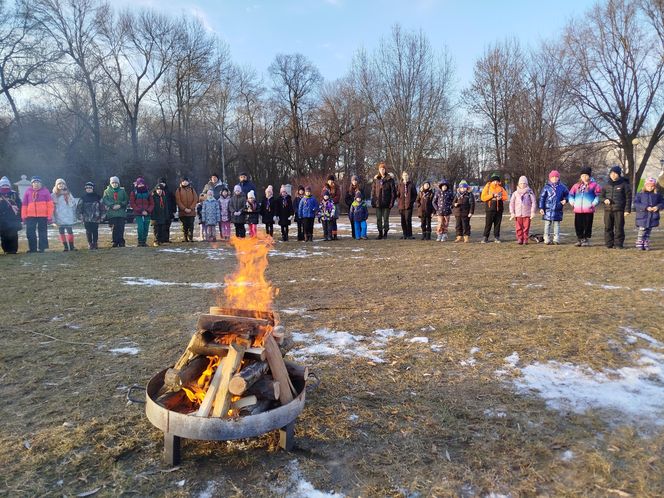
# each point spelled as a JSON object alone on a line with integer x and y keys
{"x": 583, "y": 197}
{"x": 37, "y": 213}
{"x": 171, "y": 207}
{"x": 116, "y": 199}
{"x": 215, "y": 184}
{"x": 383, "y": 195}
{"x": 186, "y": 199}
{"x": 142, "y": 204}
{"x": 10, "y": 217}
{"x": 406, "y": 195}
{"x": 617, "y": 198}
{"x": 335, "y": 197}
{"x": 353, "y": 189}
{"x": 64, "y": 213}
{"x": 246, "y": 184}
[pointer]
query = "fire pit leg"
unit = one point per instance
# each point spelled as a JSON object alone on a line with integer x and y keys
{"x": 171, "y": 449}
{"x": 287, "y": 437}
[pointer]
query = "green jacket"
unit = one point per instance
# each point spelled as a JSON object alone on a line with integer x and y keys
{"x": 113, "y": 196}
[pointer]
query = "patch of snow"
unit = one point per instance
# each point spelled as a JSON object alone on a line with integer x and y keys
{"x": 352, "y": 417}
{"x": 336, "y": 343}
{"x": 73, "y": 326}
{"x": 57, "y": 318}
{"x": 474, "y": 350}
{"x": 421, "y": 340}
{"x": 292, "y": 311}
{"x": 359, "y": 249}
{"x": 428, "y": 328}
{"x": 512, "y": 359}
{"x": 297, "y": 253}
{"x": 630, "y": 339}
{"x": 151, "y": 282}
{"x": 125, "y": 350}
{"x": 642, "y": 335}
{"x": 436, "y": 348}
{"x": 298, "y": 487}
{"x": 491, "y": 413}
{"x": 567, "y": 455}
{"x": 211, "y": 253}
{"x": 180, "y": 484}
{"x": 209, "y": 490}
{"x": 607, "y": 286}
{"x": 470, "y": 361}
{"x": 534, "y": 286}
{"x": 635, "y": 391}
{"x": 386, "y": 334}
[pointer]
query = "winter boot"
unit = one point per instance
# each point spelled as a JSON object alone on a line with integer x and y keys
{"x": 459, "y": 238}
{"x": 484, "y": 240}
{"x": 466, "y": 238}
{"x": 385, "y": 233}
{"x": 443, "y": 238}
{"x": 579, "y": 243}
{"x": 428, "y": 235}
{"x": 646, "y": 245}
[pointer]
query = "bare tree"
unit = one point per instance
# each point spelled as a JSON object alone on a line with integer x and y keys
{"x": 406, "y": 86}
{"x": 493, "y": 94}
{"x": 615, "y": 63}
{"x": 296, "y": 81}
{"x": 137, "y": 51}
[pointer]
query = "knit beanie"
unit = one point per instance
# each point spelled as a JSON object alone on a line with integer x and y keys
{"x": 463, "y": 184}
{"x": 58, "y": 182}
{"x": 114, "y": 179}
{"x": 35, "y": 179}
{"x": 89, "y": 184}
{"x": 524, "y": 180}
{"x": 237, "y": 189}
{"x": 554, "y": 172}
{"x": 586, "y": 170}
{"x": 251, "y": 195}
{"x": 4, "y": 182}
{"x": 494, "y": 176}
{"x": 650, "y": 179}
{"x": 616, "y": 169}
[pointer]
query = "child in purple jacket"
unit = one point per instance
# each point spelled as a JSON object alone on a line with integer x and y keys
{"x": 647, "y": 203}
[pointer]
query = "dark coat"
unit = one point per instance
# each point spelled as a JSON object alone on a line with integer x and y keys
{"x": 296, "y": 205}
{"x": 350, "y": 194}
{"x": 424, "y": 203}
{"x": 90, "y": 209}
{"x": 358, "y": 211}
{"x": 283, "y": 207}
{"x": 406, "y": 195}
{"x": 238, "y": 204}
{"x": 619, "y": 193}
{"x": 550, "y": 201}
{"x": 643, "y": 200}
{"x": 308, "y": 207}
{"x": 161, "y": 213}
{"x": 252, "y": 210}
{"x": 247, "y": 186}
{"x": 463, "y": 204}
{"x": 10, "y": 212}
{"x": 442, "y": 202}
{"x": 268, "y": 209}
{"x": 383, "y": 191}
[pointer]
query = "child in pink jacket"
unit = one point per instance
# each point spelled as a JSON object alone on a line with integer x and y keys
{"x": 523, "y": 206}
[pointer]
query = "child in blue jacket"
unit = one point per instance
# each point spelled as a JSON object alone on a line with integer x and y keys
{"x": 307, "y": 210}
{"x": 551, "y": 201}
{"x": 359, "y": 213}
{"x": 647, "y": 204}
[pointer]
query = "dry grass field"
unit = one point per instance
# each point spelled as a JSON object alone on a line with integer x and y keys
{"x": 414, "y": 342}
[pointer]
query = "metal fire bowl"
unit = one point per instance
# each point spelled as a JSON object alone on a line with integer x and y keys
{"x": 218, "y": 429}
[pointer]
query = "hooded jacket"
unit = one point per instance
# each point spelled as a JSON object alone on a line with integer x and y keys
{"x": 443, "y": 199}
{"x": 425, "y": 203}
{"x": 643, "y": 200}
{"x": 64, "y": 208}
{"x": 523, "y": 203}
{"x": 383, "y": 191}
{"x": 488, "y": 195}
{"x": 463, "y": 203}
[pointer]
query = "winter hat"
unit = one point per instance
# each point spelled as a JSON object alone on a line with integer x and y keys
{"x": 331, "y": 177}
{"x": 162, "y": 180}
{"x": 524, "y": 180}
{"x": 463, "y": 184}
{"x": 650, "y": 179}
{"x": 554, "y": 172}
{"x": 184, "y": 179}
{"x": 426, "y": 182}
{"x": 307, "y": 188}
{"x": 58, "y": 182}
{"x": 283, "y": 189}
{"x": 494, "y": 176}
{"x": 35, "y": 179}
{"x": 4, "y": 182}
{"x": 251, "y": 195}
{"x": 358, "y": 195}
{"x": 586, "y": 170}
{"x": 325, "y": 192}
{"x": 140, "y": 181}
{"x": 443, "y": 182}
{"x": 159, "y": 186}
{"x": 242, "y": 173}
{"x": 224, "y": 189}
{"x": 616, "y": 169}
{"x": 89, "y": 184}
{"x": 300, "y": 187}
{"x": 354, "y": 177}
{"x": 114, "y": 179}
{"x": 237, "y": 189}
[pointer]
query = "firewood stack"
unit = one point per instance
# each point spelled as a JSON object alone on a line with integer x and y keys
{"x": 233, "y": 366}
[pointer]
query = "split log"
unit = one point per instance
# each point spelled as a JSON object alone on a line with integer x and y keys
{"x": 266, "y": 388}
{"x": 228, "y": 324}
{"x": 246, "y": 377}
{"x": 261, "y": 406}
{"x": 222, "y": 400}
{"x": 188, "y": 354}
{"x": 201, "y": 347}
{"x": 173, "y": 400}
{"x": 278, "y": 369}
{"x": 246, "y": 402}
{"x": 206, "y": 405}
{"x": 233, "y": 312}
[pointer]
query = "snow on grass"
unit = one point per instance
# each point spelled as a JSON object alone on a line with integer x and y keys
{"x": 633, "y": 334}
{"x": 298, "y": 487}
{"x": 151, "y": 282}
{"x": 491, "y": 413}
{"x": 428, "y": 328}
{"x": 292, "y": 311}
{"x": 637, "y": 391}
{"x": 437, "y": 348}
{"x": 567, "y": 456}
{"x": 296, "y": 253}
{"x": 210, "y": 253}
{"x": 607, "y": 286}
{"x": 420, "y": 340}
{"x": 470, "y": 361}
{"x": 383, "y": 335}
{"x": 130, "y": 350}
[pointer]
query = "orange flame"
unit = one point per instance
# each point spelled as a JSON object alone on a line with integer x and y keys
{"x": 196, "y": 393}
{"x": 247, "y": 288}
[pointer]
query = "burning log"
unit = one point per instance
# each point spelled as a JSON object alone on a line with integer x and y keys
{"x": 232, "y": 362}
{"x": 247, "y": 402}
{"x": 210, "y": 395}
{"x": 189, "y": 374}
{"x": 261, "y": 406}
{"x": 239, "y": 325}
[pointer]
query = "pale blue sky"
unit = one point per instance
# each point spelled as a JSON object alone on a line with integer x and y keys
{"x": 330, "y": 31}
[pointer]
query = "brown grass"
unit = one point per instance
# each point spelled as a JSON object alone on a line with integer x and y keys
{"x": 421, "y": 427}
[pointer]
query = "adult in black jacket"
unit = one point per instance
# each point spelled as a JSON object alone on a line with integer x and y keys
{"x": 10, "y": 217}
{"x": 171, "y": 207}
{"x": 383, "y": 196}
{"x": 406, "y": 195}
{"x": 617, "y": 198}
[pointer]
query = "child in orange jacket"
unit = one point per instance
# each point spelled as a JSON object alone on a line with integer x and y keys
{"x": 495, "y": 196}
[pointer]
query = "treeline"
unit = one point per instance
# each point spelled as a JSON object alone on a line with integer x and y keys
{"x": 91, "y": 91}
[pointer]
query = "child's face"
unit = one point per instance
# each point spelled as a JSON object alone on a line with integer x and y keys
{"x": 463, "y": 189}
{"x": 614, "y": 176}
{"x": 300, "y": 192}
{"x": 426, "y": 186}
{"x": 585, "y": 178}
{"x": 443, "y": 187}
{"x": 307, "y": 193}
{"x": 326, "y": 197}
{"x": 224, "y": 193}
{"x": 554, "y": 179}
{"x": 115, "y": 184}
{"x": 494, "y": 182}
{"x": 523, "y": 185}
{"x": 649, "y": 187}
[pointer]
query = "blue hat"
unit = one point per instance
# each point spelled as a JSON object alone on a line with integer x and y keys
{"x": 463, "y": 183}
{"x": 616, "y": 169}
{"x": 35, "y": 179}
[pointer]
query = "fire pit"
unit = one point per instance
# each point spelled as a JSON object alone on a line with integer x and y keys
{"x": 232, "y": 381}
